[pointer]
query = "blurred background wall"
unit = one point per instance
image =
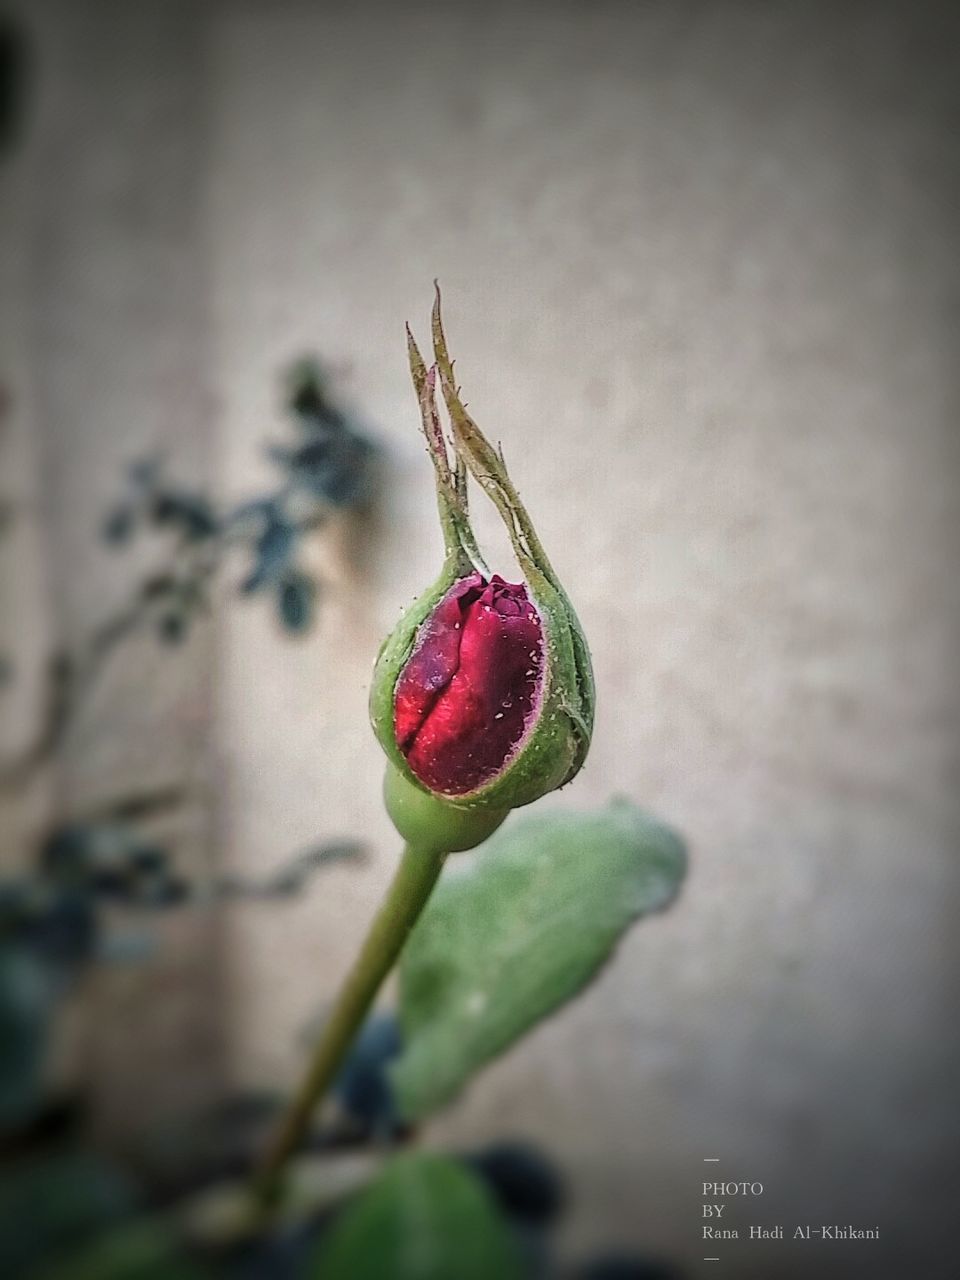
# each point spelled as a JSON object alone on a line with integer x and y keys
{"x": 699, "y": 274}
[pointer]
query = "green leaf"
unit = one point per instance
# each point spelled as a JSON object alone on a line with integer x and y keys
{"x": 295, "y": 601}
{"x": 511, "y": 937}
{"x": 27, "y": 1002}
{"x": 139, "y": 1251}
{"x": 425, "y": 1218}
{"x": 53, "y": 1202}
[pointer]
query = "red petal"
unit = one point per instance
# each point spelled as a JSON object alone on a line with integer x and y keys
{"x": 464, "y": 699}
{"x": 434, "y": 660}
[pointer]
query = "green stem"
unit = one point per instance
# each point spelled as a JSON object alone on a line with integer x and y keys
{"x": 406, "y": 898}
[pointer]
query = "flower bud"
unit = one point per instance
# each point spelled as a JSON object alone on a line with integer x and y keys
{"x": 483, "y": 695}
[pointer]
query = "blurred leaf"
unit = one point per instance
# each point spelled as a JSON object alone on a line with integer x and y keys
{"x": 290, "y": 877}
{"x": 255, "y": 512}
{"x": 333, "y": 463}
{"x": 67, "y": 852}
{"x": 307, "y": 389}
{"x": 26, "y": 1006}
{"x": 52, "y": 1202}
{"x": 15, "y": 69}
{"x": 158, "y": 585}
{"x": 135, "y": 805}
{"x": 55, "y": 921}
{"x": 332, "y": 467}
{"x": 362, "y": 1087}
{"x": 126, "y": 948}
{"x": 278, "y": 1256}
{"x": 135, "y": 1252}
{"x": 64, "y": 933}
{"x": 191, "y": 513}
{"x": 295, "y": 601}
{"x": 159, "y": 890}
{"x": 119, "y": 525}
{"x": 298, "y": 870}
{"x": 627, "y": 1266}
{"x": 511, "y": 937}
{"x": 272, "y": 551}
{"x": 526, "y": 1185}
{"x": 172, "y": 626}
{"x": 148, "y": 857}
{"x": 145, "y": 472}
{"x": 425, "y": 1218}
{"x": 105, "y": 857}
{"x": 17, "y": 898}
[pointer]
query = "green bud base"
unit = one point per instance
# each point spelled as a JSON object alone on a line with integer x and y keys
{"x": 432, "y": 824}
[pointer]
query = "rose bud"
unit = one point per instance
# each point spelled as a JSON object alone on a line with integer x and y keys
{"x": 483, "y": 695}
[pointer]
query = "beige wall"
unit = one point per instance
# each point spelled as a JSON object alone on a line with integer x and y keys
{"x": 701, "y": 257}
{"x": 105, "y": 354}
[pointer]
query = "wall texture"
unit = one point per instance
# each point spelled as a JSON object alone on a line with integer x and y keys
{"x": 700, "y": 277}
{"x": 106, "y": 362}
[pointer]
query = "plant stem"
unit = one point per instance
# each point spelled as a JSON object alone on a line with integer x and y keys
{"x": 406, "y": 898}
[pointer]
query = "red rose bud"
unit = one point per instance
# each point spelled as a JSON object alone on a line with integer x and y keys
{"x": 483, "y": 695}
{"x": 472, "y": 685}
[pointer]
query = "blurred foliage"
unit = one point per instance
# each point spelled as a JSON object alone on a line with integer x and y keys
{"x": 25, "y": 1009}
{"x": 52, "y": 915}
{"x": 514, "y": 934}
{"x": 503, "y": 943}
{"x": 143, "y": 1251}
{"x": 425, "y": 1218}
{"x": 327, "y": 469}
{"x": 52, "y": 1201}
{"x": 526, "y": 1186}
{"x": 15, "y": 75}
{"x": 527, "y": 923}
{"x": 52, "y": 927}
{"x": 363, "y": 1088}
{"x": 626, "y": 1266}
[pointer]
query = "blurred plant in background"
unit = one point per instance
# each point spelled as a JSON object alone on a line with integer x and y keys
{"x": 506, "y": 939}
{"x": 94, "y": 880}
{"x": 327, "y": 469}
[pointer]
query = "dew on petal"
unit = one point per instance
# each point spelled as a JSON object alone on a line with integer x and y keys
{"x": 459, "y": 719}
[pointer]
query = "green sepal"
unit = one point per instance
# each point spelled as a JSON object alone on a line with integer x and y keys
{"x": 572, "y": 690}
{"x": 555, "y": 748}
{"x": 431, "y": 823}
